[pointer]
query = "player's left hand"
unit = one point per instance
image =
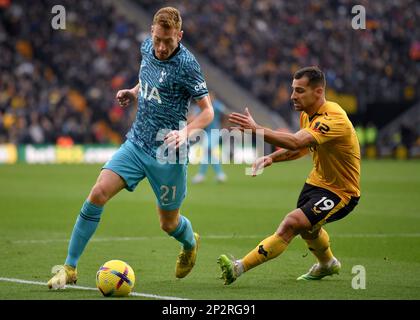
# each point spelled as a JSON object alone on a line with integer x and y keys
{"x": 125, "y": 97}
{"x": 176, "y": 138}
{"x": 260, "y": 164}
{"x": 245, "y": 121}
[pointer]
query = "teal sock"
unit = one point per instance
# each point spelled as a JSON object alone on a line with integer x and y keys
{"x": 85, "y": 226}
{"x": 184, "y": 233}
{"x": 203, "y": 168}
{"x": 217, "y": 168}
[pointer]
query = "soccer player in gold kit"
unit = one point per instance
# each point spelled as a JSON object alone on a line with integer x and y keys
{"x": 331, "y": 190}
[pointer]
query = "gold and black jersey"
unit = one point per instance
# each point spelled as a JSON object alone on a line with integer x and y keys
{"x": 336, "y": 156}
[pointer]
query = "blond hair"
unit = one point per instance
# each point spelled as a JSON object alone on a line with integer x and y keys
{"x": 168, "y": 18}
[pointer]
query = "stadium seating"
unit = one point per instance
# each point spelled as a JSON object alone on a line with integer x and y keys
{"x": 62, "y": 84}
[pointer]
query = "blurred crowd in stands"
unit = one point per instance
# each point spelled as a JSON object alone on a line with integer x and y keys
{"x": 59, "y": 85}
{"x": 262, "y": 43}
{"x": 56, "y": 83}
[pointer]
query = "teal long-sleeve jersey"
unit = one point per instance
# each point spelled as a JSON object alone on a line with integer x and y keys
{"x": 165, "y": 92}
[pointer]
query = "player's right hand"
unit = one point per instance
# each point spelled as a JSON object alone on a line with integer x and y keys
{"x": 260, "y": 164}
{"x": 125, "y": 97}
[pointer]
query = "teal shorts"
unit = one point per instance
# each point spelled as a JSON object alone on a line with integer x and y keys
{"x": 168, "y": 181}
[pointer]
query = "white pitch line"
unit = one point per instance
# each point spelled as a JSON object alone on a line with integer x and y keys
{"x": 342, "y": 235}
{"x": 136, "y": 294}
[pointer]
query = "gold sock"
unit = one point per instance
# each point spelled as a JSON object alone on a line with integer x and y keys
{"x": 320, "y": 247}
{"x": 267, "y": 249}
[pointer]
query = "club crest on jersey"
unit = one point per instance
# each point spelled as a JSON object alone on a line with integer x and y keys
{"x": 149, "y": 93}
{"x": 162, "y": 76}
{"x": 321, "y": 127}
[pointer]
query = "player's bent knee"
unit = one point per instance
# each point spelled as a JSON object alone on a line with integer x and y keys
{"x": 289, "y": 225}
{"x": 98, "y": 195}
{"x": 169, "y": 220}
{"x": 168, "y": 226}
{"x": 293, "y": 224}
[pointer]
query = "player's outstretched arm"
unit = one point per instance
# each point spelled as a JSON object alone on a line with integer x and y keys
{"x": 290, "y": 141}
{"x": 287, "y": 155}
{"x": 277, "y": 156}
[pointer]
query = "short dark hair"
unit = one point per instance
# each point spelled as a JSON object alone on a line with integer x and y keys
{"x": 314, "y": 74}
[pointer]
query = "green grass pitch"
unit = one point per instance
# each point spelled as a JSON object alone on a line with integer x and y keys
{"x": 39, "y": 205}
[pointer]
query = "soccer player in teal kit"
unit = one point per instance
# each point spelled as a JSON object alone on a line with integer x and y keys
{"x": 169, "y": 78}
